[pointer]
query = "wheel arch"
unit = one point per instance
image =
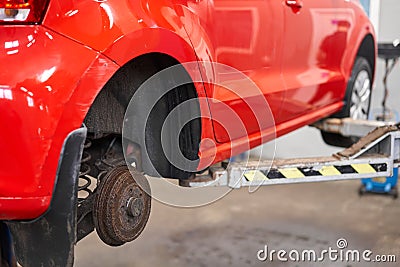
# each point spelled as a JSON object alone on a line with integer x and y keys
{"x": 367, "y": 45}
{"x": 162, "y": 46}
{"x": 116, "y": 95}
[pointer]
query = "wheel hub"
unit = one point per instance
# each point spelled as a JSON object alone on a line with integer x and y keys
{"x": 122, "y": 207}
{"x": 134, "y": 206}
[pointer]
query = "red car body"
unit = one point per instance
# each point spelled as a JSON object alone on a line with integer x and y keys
{"x": 299, "y": 53}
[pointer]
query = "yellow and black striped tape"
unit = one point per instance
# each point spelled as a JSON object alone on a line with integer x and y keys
{"x": 301, "y": 172}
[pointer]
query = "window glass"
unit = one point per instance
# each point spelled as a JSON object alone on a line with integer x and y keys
{"x": 365, "y": 4}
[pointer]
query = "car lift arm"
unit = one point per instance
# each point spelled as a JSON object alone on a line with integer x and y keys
{"x": 375, "y": 155}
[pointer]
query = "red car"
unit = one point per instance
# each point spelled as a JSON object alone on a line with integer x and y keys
{"x": 68, "y": 63}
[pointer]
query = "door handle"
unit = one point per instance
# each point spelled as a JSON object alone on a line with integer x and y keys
{"x": 294, "y": 3}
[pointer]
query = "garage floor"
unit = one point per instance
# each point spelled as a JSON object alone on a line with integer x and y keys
{"x": 232, "y": 230}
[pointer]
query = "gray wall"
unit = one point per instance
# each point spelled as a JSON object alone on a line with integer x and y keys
{"x": 307, "y": 142}
{"x": 389, "y": 20}
{"x": 389, "y": 30}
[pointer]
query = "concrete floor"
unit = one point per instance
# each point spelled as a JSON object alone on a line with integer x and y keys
{"x": 232, "y": 230}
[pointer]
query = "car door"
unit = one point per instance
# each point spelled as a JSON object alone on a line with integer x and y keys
{"x": 314, "y": 43}
{"x": 245, "y": 35}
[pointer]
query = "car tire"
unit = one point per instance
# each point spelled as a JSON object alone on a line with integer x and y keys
{"x": 356, "y": 102}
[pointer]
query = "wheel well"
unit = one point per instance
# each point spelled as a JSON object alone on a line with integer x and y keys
{"x": 365, "y": 49}
{"x": 107, "y": 112}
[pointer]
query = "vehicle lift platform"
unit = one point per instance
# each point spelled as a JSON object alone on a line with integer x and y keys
{"x": 374, "y": 155}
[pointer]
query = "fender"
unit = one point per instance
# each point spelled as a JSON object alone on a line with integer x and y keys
{"x": 158, "y": 28}
{"x": 118, "y": 36}
{"x": 354, "y": 44}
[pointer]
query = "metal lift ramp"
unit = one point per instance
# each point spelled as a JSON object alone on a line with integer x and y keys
{"x": 374, "y": 155}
